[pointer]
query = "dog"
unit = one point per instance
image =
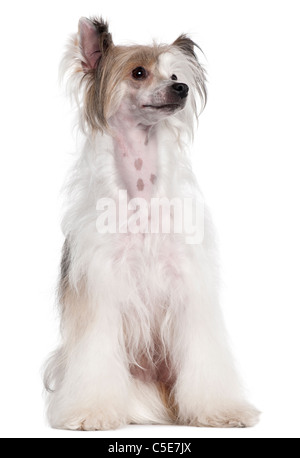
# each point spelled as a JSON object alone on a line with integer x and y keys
{"x": 143, "y": 338}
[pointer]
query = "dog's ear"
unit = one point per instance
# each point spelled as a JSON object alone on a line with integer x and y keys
{"x": 186, "y": 45}
{"x": 94, "y": 42}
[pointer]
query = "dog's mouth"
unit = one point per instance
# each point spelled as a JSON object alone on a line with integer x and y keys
{"x": 167, "y": 107}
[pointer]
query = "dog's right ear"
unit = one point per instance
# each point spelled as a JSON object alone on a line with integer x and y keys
{"x": 94, "y": 42}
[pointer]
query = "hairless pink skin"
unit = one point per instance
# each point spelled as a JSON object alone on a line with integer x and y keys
{"x": 136, "y": 154}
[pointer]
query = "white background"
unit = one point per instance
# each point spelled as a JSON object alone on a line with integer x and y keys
{"x": 246, "y": 157}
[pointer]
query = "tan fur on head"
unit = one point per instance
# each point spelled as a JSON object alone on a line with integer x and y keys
{"x": 102, "y": 95}
{"x": 98, "y": 67}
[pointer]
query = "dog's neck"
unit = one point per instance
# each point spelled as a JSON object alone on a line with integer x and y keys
{"x": 135, "y": 147}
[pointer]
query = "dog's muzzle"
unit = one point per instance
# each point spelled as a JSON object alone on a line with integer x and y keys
{"x": 171, "y": 99}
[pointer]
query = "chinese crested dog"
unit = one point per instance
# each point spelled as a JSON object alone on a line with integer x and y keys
{"x": 143, "y": 338}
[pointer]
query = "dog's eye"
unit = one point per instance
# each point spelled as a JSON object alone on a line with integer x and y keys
{"x": 139, "y": 73}
{"x": 174, "y": 78}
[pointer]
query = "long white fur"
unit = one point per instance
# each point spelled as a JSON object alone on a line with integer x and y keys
{"x": 138, "y": 286}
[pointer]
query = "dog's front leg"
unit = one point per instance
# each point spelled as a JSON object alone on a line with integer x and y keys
{"x": 208, "y": 390}
{"x": 91, "y": 375}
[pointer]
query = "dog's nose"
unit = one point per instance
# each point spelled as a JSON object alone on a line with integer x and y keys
{"x": 181, "y": 89}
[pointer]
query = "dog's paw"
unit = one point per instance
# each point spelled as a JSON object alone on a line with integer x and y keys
{"x": 237, "y": 417}
{"x": 95, "y": 421}
{"x": 101, "y": 422}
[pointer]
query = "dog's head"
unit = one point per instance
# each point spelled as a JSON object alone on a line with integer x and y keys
{"x": 146, "y": 84}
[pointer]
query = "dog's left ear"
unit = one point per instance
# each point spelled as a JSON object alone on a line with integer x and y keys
{"x": 186, "y": 45}
{"x": 94, "y": 42}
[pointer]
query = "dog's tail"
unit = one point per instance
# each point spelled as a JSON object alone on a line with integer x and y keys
{"x": 53, "y": 370}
